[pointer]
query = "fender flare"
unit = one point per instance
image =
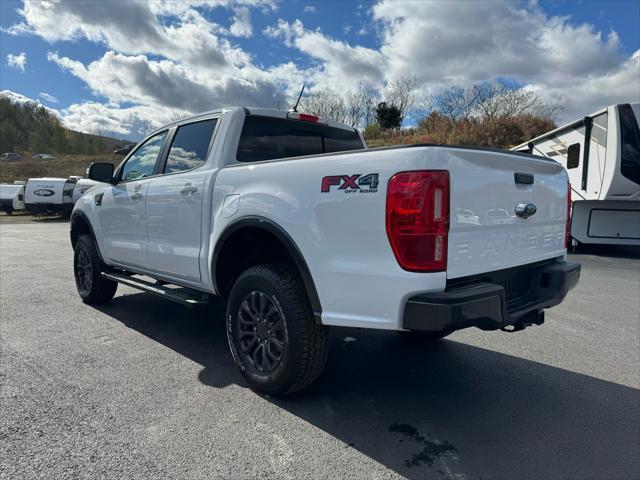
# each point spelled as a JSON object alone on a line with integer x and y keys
{"x": 76, "y": 216}
{"x": 293, "y": 250}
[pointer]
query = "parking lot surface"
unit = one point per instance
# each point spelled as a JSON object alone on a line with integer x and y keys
{"x": 143, "y": 388}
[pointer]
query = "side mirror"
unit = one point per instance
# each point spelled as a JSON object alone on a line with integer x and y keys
{"x": 101, "y": 172}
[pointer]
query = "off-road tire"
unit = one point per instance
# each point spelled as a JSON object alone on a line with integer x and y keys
{"x": 305, "y": 347}
{"x": 87, "y": 266}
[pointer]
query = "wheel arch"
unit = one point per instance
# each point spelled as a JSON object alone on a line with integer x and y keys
{"x": 227, "y": 264}
{"x": 80, "y": 225}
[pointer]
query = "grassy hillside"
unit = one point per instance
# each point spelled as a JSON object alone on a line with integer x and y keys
{"x": 28, "y": 127}
{"x": 63, "y": 166}
{"x": 501, "y": 132}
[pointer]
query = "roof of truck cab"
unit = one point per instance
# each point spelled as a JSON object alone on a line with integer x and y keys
{"x": 257, "y": 111}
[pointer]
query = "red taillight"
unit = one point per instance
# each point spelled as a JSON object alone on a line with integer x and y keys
{"x": 305, "y": 117}
{"x": 418, "y": 219}
{"x": 567, "y": 231}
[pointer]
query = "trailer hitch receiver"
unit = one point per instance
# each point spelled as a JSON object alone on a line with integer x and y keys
{"x": 532, "y": 318}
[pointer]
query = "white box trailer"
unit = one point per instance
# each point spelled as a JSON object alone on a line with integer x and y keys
{"x": 47, "y": 195}
{"x": 601, "y": 153}
{"x": 12, "y": 196}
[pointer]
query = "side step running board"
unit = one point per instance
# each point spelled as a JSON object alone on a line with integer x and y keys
{"x": 191, "y": 298}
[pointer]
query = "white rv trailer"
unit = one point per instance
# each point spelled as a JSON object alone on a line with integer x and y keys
{"x": 601, "y": 153}
{"x": 12, "y": 196}
{"x": 50, "y": 195}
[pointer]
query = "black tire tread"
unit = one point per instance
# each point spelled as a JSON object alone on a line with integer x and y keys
{"x": 102, "y": 289}
{"x": 313, "y": 337}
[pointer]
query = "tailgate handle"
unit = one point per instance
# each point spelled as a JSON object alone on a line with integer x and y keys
{"x": 523, "y": 178}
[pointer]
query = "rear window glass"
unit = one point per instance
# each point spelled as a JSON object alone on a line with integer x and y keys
{"x": 268, "y": 138}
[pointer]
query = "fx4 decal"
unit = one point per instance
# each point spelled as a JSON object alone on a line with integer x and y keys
{"x": 351, "y": 183}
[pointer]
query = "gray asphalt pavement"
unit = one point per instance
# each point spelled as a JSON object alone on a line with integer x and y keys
{"x": 142, "y": 388}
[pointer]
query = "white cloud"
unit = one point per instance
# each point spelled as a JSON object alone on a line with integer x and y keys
{"x": 130, "y": 122}
{"x": 21, "y": 99}
{"x": 174, "y": 30}
{"x": 444, "y": 43}
{"x": 309, "y": 9}
{"x": 622, "y": 85}
{"x": 166, "y": 84}
{"x": 241, "y": 26}
{"x": 456, "y": 43}
{"x": 342, "y": 66}
{"x": 47, "y": 97}
{"x": 17, "y": 61}
{"x": 16, "y": 97}
{"x": 169, "y": 56}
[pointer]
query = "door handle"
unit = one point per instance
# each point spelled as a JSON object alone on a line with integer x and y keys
{"x": 188, "y": 190}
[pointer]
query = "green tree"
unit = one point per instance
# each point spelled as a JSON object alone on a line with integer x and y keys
{"x": 388, "y": 116}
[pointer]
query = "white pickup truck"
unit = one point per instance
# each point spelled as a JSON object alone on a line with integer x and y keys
{"x": 300, "y": 226}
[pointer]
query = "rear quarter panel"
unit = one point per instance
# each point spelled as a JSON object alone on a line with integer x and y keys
{"x": 341, "y": 235}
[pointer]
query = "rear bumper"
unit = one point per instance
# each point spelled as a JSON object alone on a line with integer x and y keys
{"x": 485, "y": 302}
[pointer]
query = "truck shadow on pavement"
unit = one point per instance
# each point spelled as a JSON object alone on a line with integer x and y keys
{"x": 441, "y": 410}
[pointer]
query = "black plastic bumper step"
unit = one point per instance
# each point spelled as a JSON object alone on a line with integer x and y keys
{"x": 184, "y": 296}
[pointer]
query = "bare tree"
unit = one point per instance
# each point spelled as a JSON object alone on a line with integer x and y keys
{"x": 456, "y": 102}
{"x": 489, "y": 100}
{"x": 354, "y": 108}
{"x": 423, "y": 105}
{"x": 401, "y": 93}
{"x": 369, "y": 95}
{"x": 326, "y": 103}
{"x": 496, "y": 99}
{"x": 547, "y": 110}
{"x": 358, "y": 107}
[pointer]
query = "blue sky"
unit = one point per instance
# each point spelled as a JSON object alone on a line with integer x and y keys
{"x": 128, "y": 67}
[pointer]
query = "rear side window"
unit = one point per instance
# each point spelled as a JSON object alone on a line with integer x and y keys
{"x": 190, "y": 146}
{"x": 268, "y": 138}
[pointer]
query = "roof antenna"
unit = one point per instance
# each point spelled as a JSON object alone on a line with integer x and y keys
{"x": 295, "y": 107}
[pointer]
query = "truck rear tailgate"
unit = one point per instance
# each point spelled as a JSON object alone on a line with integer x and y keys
{"x": 485, "y": 232}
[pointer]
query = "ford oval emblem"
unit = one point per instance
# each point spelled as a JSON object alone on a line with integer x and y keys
{"x": 44, "y": 192}
{"x": 525, "y": 210}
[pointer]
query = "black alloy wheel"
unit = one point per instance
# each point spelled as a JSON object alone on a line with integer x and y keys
{"x": 92, "y": 287}
{"x": 261, "y": 332}
{"x": 84, "y": 271}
